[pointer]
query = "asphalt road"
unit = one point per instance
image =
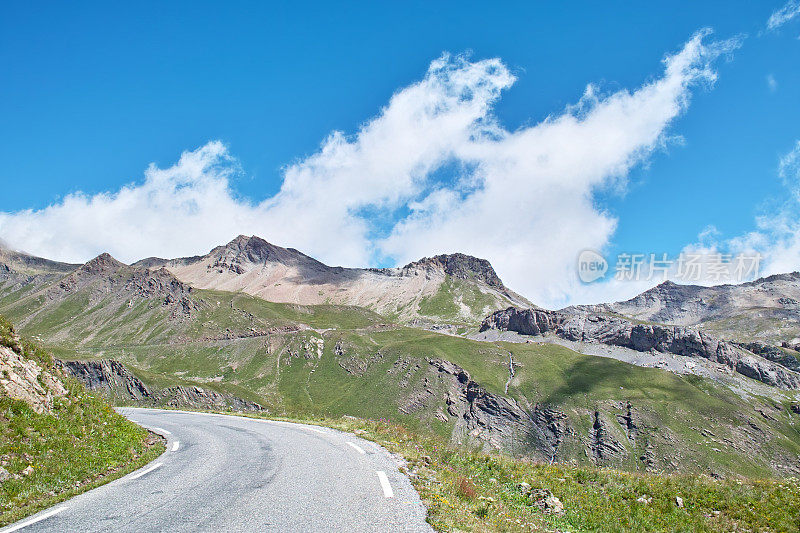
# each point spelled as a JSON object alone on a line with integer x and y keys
{"x": 228, "y": 473}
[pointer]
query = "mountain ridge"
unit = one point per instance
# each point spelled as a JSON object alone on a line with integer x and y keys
{"x": 767, "y": 308}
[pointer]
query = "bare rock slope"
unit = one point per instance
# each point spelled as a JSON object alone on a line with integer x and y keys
{"x": 285, "y": 275}
{"x": 114, "y": 380}
{"x": 767, "y": 308}
{"x": 582, "y": 326}
{"x": 23, "y": 379}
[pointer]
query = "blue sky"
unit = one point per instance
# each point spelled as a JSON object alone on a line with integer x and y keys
{"x": 91, "y": 94}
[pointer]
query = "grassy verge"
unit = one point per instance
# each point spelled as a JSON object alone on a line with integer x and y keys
{"x": 472, "y": 491}
{"x": 73, "y": 449}
{"x": 79, "y": 444}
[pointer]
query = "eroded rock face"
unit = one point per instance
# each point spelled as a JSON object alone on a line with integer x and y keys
{"x": 104, "y": 275}
{"x": 113, "y": 379}
{"x": 581, "y": 326}
{"x": 107, "y": 376}
{"x": 198, "y": 397}
{"x": 25, "y": 380}
{"x": 602, "y": 443}
{"x": 784, "y": 356}
{"x": 461, "y": 266}
{"x": 499, "y": 421}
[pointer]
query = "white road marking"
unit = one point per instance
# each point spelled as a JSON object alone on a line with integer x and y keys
{"x": 358, "y": 448}
{"x": 145, "y": 471}
{"x": 176, "y": 445}
{"x": 43, "y": 516}
{"x": 316, "y": 430}
{"x": 387, "y": 489}
{"x": 160, "y": 430}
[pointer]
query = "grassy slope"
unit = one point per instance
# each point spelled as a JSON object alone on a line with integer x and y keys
{"x": 459, "y": 301}
{"x": 482, "y": 492}
{"x": 691, "y": 422}
{"x": 80, "y": 444}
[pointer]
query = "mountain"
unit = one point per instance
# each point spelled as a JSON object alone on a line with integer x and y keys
{"x": 774, "y": 367}
{"x": 174, "y": 327}
{"x": 452, "y": 287}
{"x": 102, "y": 295}
{"x": 767, "y": 309}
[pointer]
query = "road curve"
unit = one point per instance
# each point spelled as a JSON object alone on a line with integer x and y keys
{"x": 229, "y": 473}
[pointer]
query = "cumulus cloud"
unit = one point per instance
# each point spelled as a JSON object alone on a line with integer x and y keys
{"x": 776, "y": 239}
{"x": 434, "y": 171}
{"x": 787, "y": 13}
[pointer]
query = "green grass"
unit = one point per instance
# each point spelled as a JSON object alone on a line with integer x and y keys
{"x": 444, "y": 304}
{"x": 81, "y": 443}
{"x": 689, "y": 424}
{"x": 472, "y": 491}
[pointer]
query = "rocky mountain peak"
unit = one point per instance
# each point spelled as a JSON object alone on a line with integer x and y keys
{"x": 245, "y": 250}
{"x": 102, "y": 264}
{"x": 14, "y": 260}
{"x": 461, "y": 266}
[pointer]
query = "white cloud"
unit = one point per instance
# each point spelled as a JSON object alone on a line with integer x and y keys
{"x": 777, "y": 235}
{"x": 783, "y": 15}
{"x": 522, "y": 198}
{"x": 772, "y": 83}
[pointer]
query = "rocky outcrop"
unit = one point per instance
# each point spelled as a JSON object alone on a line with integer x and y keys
{"x": 582, "y": 326}
{"x": 460, "y": 266}
{"x": 783, "y": 356}
{"x": 602, "y": 443}
{"x": 107, "y": 376}
{"x": 499, "y": 421}
{"x": 765, "y": 308}
{"x": 24, "y": 379}
{"x": 104, "y": 275}
{"x": 200, "y": 398}
{"x": 113, "y": 379}
{"x": 524, "y": 321}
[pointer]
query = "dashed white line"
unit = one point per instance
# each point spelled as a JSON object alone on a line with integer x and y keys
{"x": 387, "y": 488}
{"x": 161, "y": 430}
{"x": 145, "y": 471}
{"x": 43, "y": 516}
{"x": 176, "y": 445}
{"x": 357, "y": 448}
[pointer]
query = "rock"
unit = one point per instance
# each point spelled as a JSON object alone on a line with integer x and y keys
{"x": 113, "y": 379}
{"x": 546, "y": 500}
{"x": 580, "y": 325}
{"x": 524, "y": 488}
{"x": 773, "y": 353}
{"x": 678, "y": 501}
{"x": 460, "y": 266}
{"x": 645, "y": 499}
{"x": 553, "y": 505}
{"x": 27, "y": 471}
{"x": 602, "y": 443}
{"x": 498, "y": 422}
{"x": 4, "y": 474}
{"x": 110, "y": 377}
{"x": 25, "y": 380}
{"x": 426, "y": 459}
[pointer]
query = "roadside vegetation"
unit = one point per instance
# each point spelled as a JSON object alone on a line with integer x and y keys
{"x": 472, "y": 491}
{"x": 79, "y": 444}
